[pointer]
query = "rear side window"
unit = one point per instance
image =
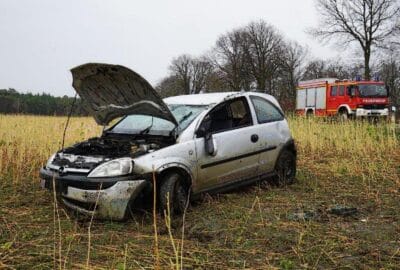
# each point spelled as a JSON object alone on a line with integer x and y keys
{"x": 333, "y": 91}
{"x": 265, "y": 110}
{"x": 341, "y": 90}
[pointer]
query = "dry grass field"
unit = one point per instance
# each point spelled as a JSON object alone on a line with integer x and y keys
{"x": 352, "y": 164}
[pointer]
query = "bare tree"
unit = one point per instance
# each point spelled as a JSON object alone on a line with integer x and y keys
{"x": 390, "y": 70}
{"x": 216, "y": 83}
{"x": 291, "y": 63}
{"x": 230, "y": 59}
{"x": 181, "y": 68}
{"x": 263, "y": 48}
{"x": 367, "y": 22}
{"x": 314, "y": 69}
{"x": 201, "y": 71}
{"x": 191, "y": 73}
{"x": 170, "y": 86}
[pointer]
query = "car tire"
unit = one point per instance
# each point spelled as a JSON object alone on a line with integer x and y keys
{"x": 173, "y": 187}
{"x": 285, "y": 168}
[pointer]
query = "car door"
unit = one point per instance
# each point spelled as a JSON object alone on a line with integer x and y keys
{"x": 269, "y": 127}
{"x": 341, "y": 95}
{"x": 236, "y": 144}
{"x": 332, "y": 105}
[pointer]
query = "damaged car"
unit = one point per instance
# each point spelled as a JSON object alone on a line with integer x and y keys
{"x": 180, "y": 146}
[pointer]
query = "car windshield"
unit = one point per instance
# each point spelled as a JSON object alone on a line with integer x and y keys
{"x": 372, "y": 90}
{"x": 146, "y": 124}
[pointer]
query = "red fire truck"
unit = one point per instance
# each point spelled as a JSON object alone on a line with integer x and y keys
{"x": 330, "y": 96}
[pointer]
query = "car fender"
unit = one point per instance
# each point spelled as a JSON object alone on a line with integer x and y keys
{"x": 181, "y": 155}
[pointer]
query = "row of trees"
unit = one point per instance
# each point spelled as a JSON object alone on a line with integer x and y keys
{"x": 258, "y": 57}
{"x": 12, "y": 102}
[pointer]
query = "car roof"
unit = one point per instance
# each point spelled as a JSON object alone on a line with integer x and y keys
{"x": 215, "y": 98}
{"x": 200, "y": 99}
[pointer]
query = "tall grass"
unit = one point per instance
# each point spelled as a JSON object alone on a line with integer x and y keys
{"x": 357, "y": 148}
{"x": 351, "y": 162}
{"x": 27, "y": 141}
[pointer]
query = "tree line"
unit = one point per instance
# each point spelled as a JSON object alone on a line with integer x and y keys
{"x": 13, "y": 102}
{"x": 258, "y": 57}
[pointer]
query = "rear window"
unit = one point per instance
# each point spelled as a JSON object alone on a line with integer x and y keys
{"x": 265, "y": 110}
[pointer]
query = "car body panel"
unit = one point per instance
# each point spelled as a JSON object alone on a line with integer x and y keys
{"x": 112, "y": 91}
{"x": 109, "y": 203}
{"x": 273, "y": 136}
{"x": 236, "y": 158}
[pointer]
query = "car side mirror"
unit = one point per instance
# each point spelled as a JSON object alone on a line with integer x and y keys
{"x": 387, "y": 90}
{"x": 209, "y": 145}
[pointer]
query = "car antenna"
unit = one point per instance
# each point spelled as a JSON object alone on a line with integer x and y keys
{"x": 69, "y": 116}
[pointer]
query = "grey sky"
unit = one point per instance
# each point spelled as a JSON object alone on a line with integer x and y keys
{"x": 42, "y": 40}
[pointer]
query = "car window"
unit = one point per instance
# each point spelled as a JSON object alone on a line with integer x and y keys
{"x": 139, "y": 123}
{"x": 185, "y": 114}
{"x": 142, "y": 124}
{"x": 228, "y": 115}
{"x": 265, "y": 110}
{"x": 240, "y": 113}
{"x": 333, "y": 91}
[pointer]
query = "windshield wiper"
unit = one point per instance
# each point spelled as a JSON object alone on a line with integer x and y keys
{"x": 176, "y": 128}
{"x": 146, "y": 130}
{"x": 186, "y": 116}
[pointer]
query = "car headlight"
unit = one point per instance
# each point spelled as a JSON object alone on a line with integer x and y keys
{"x": 50, "y": 161}
{"x": 116, "y": 167}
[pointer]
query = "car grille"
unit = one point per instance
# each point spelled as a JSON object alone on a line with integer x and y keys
{"x": 62, "y": 185}
{"x": 84, "y": 205}
{"x": 87, "y": 185}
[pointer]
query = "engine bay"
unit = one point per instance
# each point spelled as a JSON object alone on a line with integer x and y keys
{"x": 90, "y": 153}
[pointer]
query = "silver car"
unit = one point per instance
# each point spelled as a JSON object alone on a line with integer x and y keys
{"x": 180, "y": 147}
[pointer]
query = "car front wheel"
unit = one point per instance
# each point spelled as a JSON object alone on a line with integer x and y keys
{"x": 173, "y": 194}
{"x": 286, "y": 168}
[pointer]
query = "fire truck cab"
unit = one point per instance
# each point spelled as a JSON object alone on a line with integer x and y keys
{"x": 331, "y": 97}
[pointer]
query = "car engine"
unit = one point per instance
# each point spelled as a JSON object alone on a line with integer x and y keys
{"x": 90, "y": 153}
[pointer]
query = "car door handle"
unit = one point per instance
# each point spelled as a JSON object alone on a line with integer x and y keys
{"x": 254, "y": 138}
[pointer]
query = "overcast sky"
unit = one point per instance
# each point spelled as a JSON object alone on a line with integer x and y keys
{"x": 42, "y": 40}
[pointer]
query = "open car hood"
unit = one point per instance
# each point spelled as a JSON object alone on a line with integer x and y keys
{"x": 112, "y": 91}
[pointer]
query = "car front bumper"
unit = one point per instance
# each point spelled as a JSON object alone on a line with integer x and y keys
{"x": 363, "y": 112}
{"x": 110, "y": 202}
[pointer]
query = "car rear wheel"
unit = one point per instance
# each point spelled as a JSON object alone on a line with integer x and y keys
{"x": 173, "y": 194}
{"x": 286, "y": 168}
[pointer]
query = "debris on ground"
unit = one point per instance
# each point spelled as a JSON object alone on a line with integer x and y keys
{"x": 322, "y": 214}
{"x": 303, "y": 216}
{"x": 342, "y": 210}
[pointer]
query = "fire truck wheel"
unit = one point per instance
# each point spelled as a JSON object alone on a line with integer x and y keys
{"x": 343, "y": 116}
{"x": 286, "y": 168}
